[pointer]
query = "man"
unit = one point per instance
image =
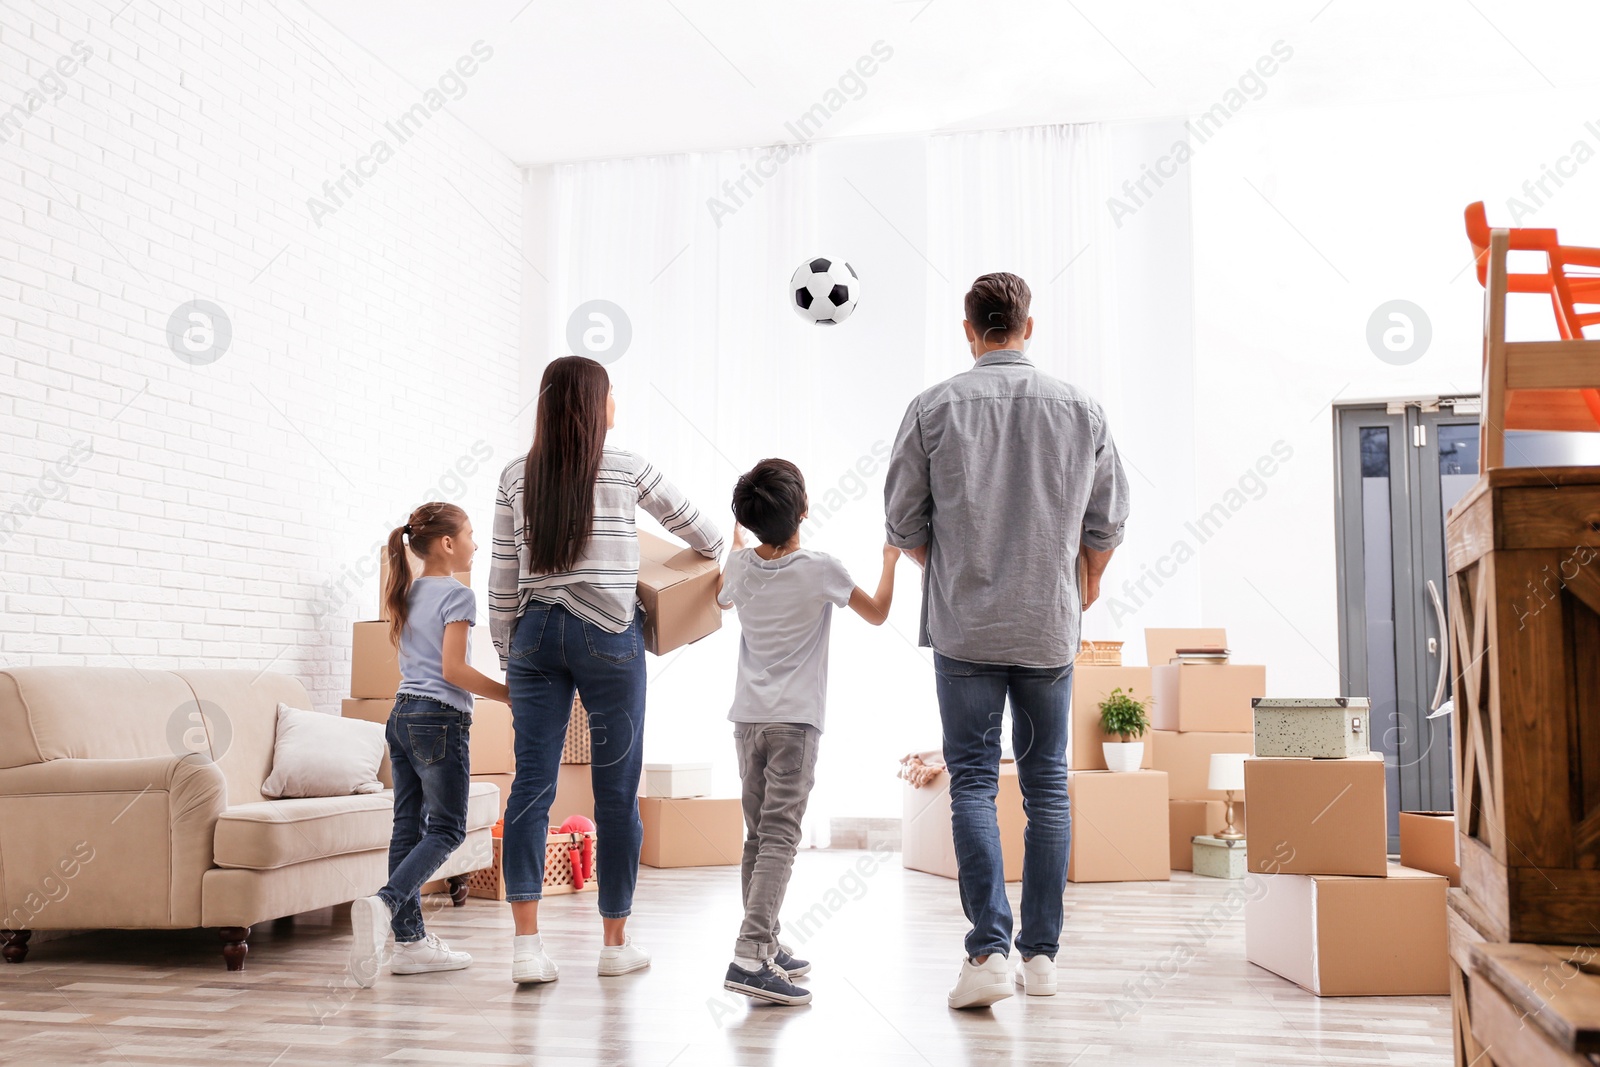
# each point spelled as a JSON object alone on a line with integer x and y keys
{"x": 1001, "y": 477}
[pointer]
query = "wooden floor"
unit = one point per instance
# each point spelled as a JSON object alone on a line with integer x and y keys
{"x": 885, "y": 949}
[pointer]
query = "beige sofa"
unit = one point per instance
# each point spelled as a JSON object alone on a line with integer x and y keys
{"x": 131, "y": 799}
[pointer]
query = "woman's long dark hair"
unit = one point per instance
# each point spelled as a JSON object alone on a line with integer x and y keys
{"x": 569, "y": 433}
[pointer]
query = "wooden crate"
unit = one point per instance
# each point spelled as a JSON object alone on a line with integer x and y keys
{"x": 578, "y": 748}
{"x": 490, "y": 882}
{"x": 1536, "y": 1005}
{"x": 1524, "y": 565}
{"x": 1467, "y": 927}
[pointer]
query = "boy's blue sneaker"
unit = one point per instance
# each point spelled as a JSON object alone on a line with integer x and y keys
{"x": 767, "y": 984}
{"x": 786, "y": 962}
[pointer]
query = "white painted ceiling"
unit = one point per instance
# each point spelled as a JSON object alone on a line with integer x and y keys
{"x": 611, "y": 78}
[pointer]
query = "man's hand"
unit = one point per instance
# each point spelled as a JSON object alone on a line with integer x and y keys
{"x": 918, "y": 555}
{"x": 1091, "y": 590}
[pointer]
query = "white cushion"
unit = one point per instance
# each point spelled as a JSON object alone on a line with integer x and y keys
{"x": 316, "y": 755}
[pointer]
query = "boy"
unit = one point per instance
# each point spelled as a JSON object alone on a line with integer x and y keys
{"x": 785, "y": 595}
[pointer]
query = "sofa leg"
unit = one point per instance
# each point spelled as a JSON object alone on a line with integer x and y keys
{"x": 458, "y": 890}
{"x": 235, "y": 946}
{"x": 16, "y": 945}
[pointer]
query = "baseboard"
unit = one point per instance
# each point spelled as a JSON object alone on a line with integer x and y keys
{"x": 860, "y": 833}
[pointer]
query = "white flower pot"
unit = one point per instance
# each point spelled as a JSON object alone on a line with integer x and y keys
{"x": 1123, "y": 755}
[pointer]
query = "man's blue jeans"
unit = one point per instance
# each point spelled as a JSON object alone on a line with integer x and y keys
{"x": 428, "y": 756}
{"x": 972, "y": 697}
{"x": 553, "y": 655}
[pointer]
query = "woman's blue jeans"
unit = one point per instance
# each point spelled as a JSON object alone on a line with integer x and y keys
{"x": 554, "y": 654}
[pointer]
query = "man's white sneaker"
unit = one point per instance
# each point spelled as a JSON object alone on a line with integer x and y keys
{"x": 623, "y": 959}
{"x": 530, "y": 963}
{"x": 1037, "y": 976}
{"x": 429, "y": 954}
{"x": 369, "y": 921}
{"x": 981, "y": 984}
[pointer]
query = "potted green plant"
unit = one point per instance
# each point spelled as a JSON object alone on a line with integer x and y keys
{"x": 1122, "y": 716}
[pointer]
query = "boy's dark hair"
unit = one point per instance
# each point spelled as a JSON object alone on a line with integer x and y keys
{"x": 997, "y": 306}
{"x": 769, "y": 499}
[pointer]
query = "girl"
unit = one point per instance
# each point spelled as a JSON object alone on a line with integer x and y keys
{"x": 428, "y": 620}
{"x": 562, "y": 611}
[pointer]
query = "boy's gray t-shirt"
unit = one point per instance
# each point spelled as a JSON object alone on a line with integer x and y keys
{"x": 785, "y": 607}
{"x": 432, "y": 604}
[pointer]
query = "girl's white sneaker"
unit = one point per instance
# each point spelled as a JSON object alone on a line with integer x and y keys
{"x": 623, "y": 959}
{"x": 1037, "y": 976}
{"x": 428, "y": 955}
{"x": 369, "y": 922}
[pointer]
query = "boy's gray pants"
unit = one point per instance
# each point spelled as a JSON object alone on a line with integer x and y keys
{"x": 778, "y": 764}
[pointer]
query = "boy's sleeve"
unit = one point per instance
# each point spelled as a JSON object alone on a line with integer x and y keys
{"x": 460, "y": 605}
{"x": 837, "y": 585}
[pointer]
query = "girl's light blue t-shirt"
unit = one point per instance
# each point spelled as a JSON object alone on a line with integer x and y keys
{"x": 432, "y": 604}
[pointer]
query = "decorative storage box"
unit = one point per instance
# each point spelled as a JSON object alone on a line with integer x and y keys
{"x": 677, "y": 781}
{"x": 578, "y": 748}
{"x": 1329, "y": 728}
{"x": 1216, "y": 858}
{"x": 1100, "y": 653}
{"x": 558, "y": 875}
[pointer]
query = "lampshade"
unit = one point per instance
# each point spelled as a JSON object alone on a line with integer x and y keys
{"x": 1227, "y": 771}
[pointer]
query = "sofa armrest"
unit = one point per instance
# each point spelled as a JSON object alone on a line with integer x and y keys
{"x": 94, "y": 844}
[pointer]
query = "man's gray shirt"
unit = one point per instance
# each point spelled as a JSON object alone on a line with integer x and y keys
{"x": 1003, "y": 472}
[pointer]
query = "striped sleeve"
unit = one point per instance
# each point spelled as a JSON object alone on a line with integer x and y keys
{"x": 672, "y": 509}
{"x": 504, "y": 569}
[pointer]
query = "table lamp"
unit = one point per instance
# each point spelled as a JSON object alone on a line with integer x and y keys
{"x": 1227, "y": 773}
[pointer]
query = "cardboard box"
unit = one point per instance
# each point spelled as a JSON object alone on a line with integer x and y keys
{"x": 464, "y": 577}
{"x": 1090, "y": 685}
{"x": 1189, "y": 819}
{"x": 927, "y": 839}
{"x": 1119, "y": 827}
{"x": 1428, "y": 843}
{"x": 676, "y": 780}
{"x": 698, "y": 832}
{"x": 678, "y": 588}
{"x": 1186, "y": 757}
{"x": 1339, "y": 936}
{"x": 1206, "y": 696}
{"x": 1317, "y": 816}
{"x": 374, "y": 662}
{"x": 574, "y": 792}
{"x": 1160, "y": 645}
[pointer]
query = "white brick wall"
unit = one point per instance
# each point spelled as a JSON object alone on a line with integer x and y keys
{"x": 159, "y": 513}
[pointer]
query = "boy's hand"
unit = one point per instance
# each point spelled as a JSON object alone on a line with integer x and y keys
{"x": 738, "y": 536}
{"x": 890, "y": 555}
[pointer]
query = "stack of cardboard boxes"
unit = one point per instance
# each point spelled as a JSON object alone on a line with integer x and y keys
{"x": 683, "y": 826}
{"x": 1119, "y": 818}
{"x": 1201, "y": 707}
{"x": 1328, "y": 910}
{"x": 375, "y": 676}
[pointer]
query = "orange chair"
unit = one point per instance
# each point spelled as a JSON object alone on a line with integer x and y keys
{"x": 1568, "y": 279}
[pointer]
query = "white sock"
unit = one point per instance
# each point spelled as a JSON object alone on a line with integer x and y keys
{"x": 527, "y": 944}
{"x": 747, "y": 963}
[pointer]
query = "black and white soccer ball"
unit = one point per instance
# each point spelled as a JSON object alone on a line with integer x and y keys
{"x": 824, "y": 291}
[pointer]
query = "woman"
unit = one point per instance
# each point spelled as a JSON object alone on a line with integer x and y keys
{"x": 563, "y": 614}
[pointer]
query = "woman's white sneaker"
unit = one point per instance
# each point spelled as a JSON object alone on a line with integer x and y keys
{"x": 530, "y": 963}
{"x": 981, "y": 984}
{"x": 428, "y": 955}
{"x": 623, "y": 959}
{"x": 1037, "y": 976}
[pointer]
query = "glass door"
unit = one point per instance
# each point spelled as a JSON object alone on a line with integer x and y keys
{"x": 1400, "y": 467}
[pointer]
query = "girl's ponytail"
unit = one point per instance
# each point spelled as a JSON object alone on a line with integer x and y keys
{"x": 425, "y": 526}
{"x": 399, "y": 583}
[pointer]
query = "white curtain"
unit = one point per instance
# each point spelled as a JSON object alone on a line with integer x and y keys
{"x": 721, "y": 373}
{"x": 1029, "y": 201}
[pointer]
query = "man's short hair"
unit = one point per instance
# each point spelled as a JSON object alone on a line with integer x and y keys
{"x": 997, "y": 306}
{"x": 769, "y": 499}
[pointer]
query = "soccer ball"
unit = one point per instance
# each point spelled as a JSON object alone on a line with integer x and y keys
{"x": 825, "y": 291}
